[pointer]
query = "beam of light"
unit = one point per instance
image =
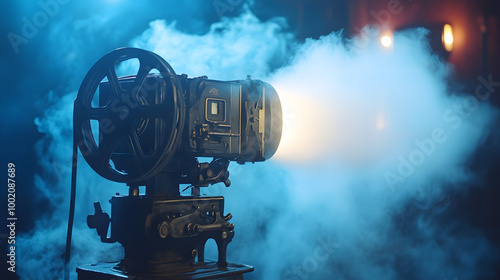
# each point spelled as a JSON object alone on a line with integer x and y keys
{"x": 447, "y": 37}
{"x": 302, "y": 117}
{"x": 329, "y": 124}
{"x": 358, "y": 107}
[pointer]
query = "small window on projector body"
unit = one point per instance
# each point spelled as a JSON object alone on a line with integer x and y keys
{"x": 215, "y": 110}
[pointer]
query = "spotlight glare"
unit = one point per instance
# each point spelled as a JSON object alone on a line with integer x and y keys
{"x": 447, "y": 37}
{"x": 386, "y": 41}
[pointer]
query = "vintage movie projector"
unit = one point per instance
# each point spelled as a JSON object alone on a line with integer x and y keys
{"x": 148, "y": 130}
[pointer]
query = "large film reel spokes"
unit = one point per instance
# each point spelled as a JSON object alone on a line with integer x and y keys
{"x": 127, "y": 111}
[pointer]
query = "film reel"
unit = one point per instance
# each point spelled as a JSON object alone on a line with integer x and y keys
{"x": 127, "y": 113}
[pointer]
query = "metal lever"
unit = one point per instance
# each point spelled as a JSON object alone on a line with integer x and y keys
{"x": 100, "y": 221}
{"x": 217, "y": 172}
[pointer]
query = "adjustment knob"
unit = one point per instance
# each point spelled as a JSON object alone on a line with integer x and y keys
{"x": 163, "y": 229}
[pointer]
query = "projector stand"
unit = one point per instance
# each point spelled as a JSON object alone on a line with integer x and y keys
{"x": 164, "y": 236}
{"x": 208, "y": 270}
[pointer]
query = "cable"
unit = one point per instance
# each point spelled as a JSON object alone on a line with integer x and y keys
{"x": 67, "y": 255}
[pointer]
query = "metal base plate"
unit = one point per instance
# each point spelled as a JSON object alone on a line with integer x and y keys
{"x": 206, "y": 270}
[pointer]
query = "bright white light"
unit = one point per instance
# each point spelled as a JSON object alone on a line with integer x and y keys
{"x": 303, "y": 118}
{"x": 386, "y": 41}
{"x": 447, "y": 37}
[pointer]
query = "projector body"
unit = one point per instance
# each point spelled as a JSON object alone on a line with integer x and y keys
{"x": 149, "y": 129}
{"x": 224, "y": 119}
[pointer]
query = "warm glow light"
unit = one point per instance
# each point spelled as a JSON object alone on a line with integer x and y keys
{"x": 318, "y": 129}
{"x": 303, "y": 122}
{"x": 386, "y": 41}
{"x": 447, "y": 37}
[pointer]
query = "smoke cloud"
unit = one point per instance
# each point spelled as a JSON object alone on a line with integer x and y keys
{"x": 231, "y": 49}
{"x": 375, "y": 144}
